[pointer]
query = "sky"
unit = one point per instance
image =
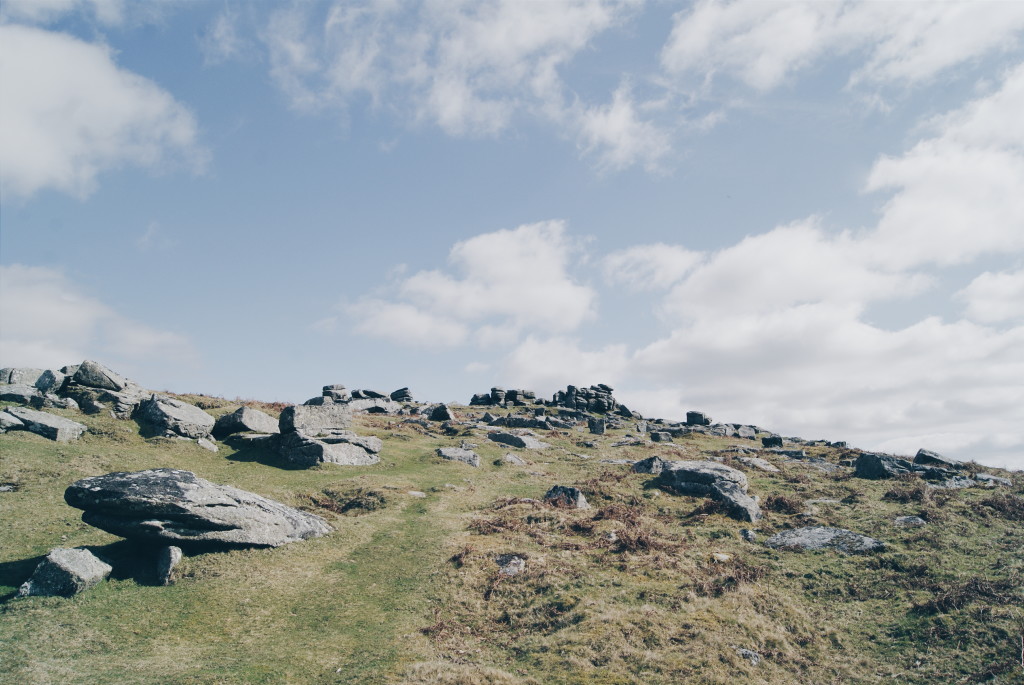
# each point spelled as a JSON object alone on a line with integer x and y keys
{"x": 807, "y": 216}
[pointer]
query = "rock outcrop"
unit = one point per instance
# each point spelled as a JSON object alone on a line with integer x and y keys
{"x": 245, "y": 420}
{"x": 179, "y": 508}
{"x": 312, "y": 434}
{"x": 64, "y": 573}
{"x": 709, "y": 478}
{"x": 176, "y": 418}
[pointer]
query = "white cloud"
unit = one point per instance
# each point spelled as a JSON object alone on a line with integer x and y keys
{"x": 154, "y": 239}
{"x": 763, "y": 43}
{"x": 649, "y": 267}
{"x": 47, "y": 322}
{"x": 503, "y": 283}
{"x": 68, "y": 112}
{"x": 222, "y": 42}
{"x": 995, "y": 297}
{"x": 110, "y": 12}
{"x": 619, "y": 137}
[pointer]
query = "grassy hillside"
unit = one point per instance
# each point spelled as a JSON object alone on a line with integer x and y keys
{"x": 407, "y": 588}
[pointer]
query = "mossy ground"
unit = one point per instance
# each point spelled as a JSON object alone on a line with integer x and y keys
{"x": 407, "y": 590}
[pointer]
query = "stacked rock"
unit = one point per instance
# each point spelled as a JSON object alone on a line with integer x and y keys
{"x": 501, "y": 397}
{"x": 596, "y": 399}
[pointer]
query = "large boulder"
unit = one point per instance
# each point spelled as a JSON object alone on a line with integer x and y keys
{"x": 50, "y": 381}
{"x": 876, "y": 466}
{"x": 20, "y": 376}
{"x": 401, "y": 395}
{"x": 339, "y": 446}
{"x": 822, "y": 537}
{"x": 522, "y": 439}
{"x": 245, "y": 420}
{"x": 179, "y": 508}
{"x": 697, "y": 418}
{"x": 709, "y": 478}
{"x": 928, "y": 458}
{"x": 313, "y": 420}
{"x": 19, "y": 392}
{"x": 65, "y": 572}
{"x": 94, "y": 375}
{"x": 175, "y": 417}
{"x": 47, "y": 425}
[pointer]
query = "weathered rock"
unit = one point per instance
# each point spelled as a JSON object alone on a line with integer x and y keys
{"x": 909, "y": 521}
{"x": 929, "y": 458}
{"x": 19, "y": 392}
{"x": 95, "y": 375}
{"x": 47, "y": 425}
{"x": 523, "y": 440}
{"x": 750, "y": 655}
{"x": 175, "y": 417}
{"x": 566, "y": 498}
{"x": 822, "y": 537}
{"x": 172, "y": 506}
{"x": 245, "y": 420}
{"x": 660, "y": 436}
{"x": 65, "y": 572}
{"x": 458, "y": 454}
{"x": 758, "y": 463}
{"x": 697, "y": 418}
{"x": 20, "y": 376}
{"x": 653, "y": 465}
{"x": 121, "y": 404}
{"x": 337, "y": 392}
{"x": 509, "y": 458}
{"x": 374, "y": 405}
{"x": 748, "y": 535}
{"x": 510, "y": 564}
{"x": 167, "y": 560}
{"x": 771, "y": 441}
{"x": 10, "y": 422}
{"x": 596, "y": 426}
{"x": 342, "y": 447}
{"x": 313, "y": 420}
{"x": 208, "y": 445}
{"x": 956, "y": 483}
{"x": 402, "y": 395}
{"x": 440, "y": 412}
{"x": 990, "y": 481}
{"x": 51, "y": 401}
{"x": 50, "y": 381}
{"x": 718, "y": 481}
{"x": 875, "y": 466}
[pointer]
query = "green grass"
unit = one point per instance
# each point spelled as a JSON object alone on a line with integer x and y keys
{"x": 409, "y": 591}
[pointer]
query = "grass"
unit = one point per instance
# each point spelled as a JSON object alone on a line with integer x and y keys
{"x": 645, "y": 586}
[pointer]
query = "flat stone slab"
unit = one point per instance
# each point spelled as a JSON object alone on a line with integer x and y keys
{"x": 19, "y": 392}
{"x": 47, "y": 425}
{"x": 458, "y": 454}
{"x": 179, "y": 508}
{"x": 312, "y": 420}
{"x": 822, "y": 537}
{"x": 245, "y": 420}
{"x": 65, "y": 572}
{"x": 523, "y": 441}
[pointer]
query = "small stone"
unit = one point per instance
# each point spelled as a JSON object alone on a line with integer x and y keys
{"x": 207, "y": 445}
{"x": 167, "y": 560}
{"x": 566, "y": 498}
{"x": 748, "y": 535}
{"x": 721, "y": 557}
{"x": 457, "y": 454}
{"x": 771, "y": 441}
{"x": 910, "y": 521}
{"x": 750, "y": 655}
{"x": 515, "y": 460}
{"x": 416, "y": 493}
{"x": 989, "y": 481}
{"x": 510, "y": 564}
{"x": 65, "y": 572}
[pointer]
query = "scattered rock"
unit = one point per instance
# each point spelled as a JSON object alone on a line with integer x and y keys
{"x": 337, "y": 392}
{"x": 990, "y": 481}
{"x": 169, "y": 505}
{"x": 652, "y": 465}
{"x": 20, "y": 376}
{"x": 721, "y": 557}
{"x": 596, "y": 426}
{"x": 245, "y": 420}
{"x": 19, "y": 392}
{"x": 513, "y": 459}
{"x": 64, "y": 573}
{"x": 45, "y": 424}
{"x": 875, "y": 466}
{"x": 175, "y": 417}
{"x": 748, "y": 535}
{"x": 758, "y": 463}
{"x": 697, "y": 418}
{"x": 458, "y": 454}
{"x": 524, "y": 440}
{"x": 929, "y": 458}
{"x": 909, "y": 522}
{"x": 956, "y": 483}
{"x": 207, "y": 445}
{"x": 566, "y": 498}
{"x": 339, "y": 446}
{"x": 510, "y": 564}
{"x": 771, "y": 441}
{"x": 167, "y": 559}
{"x": 416, "y": 493}
{"x": 750, "y": 655}
{"x": 822, "y": 537}
{"x": 401, "y": 395}
{"x": 94, "y": 375}
{"x": 440, "y": 412}
{"x": 710, "y": 478}
{"x": 660, "y": 436}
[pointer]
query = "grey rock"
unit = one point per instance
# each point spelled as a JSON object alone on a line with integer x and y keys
{"x": 748, "y": 535}
{"x": 122, "y": 404}
{"x": 313, "y": 420}
{"x": 20, "y": 376}
{"x": 175, "y": 417}
{"x": 771, "y": 441}
{"x": 70, "y": 370}
{"x": 245, "y": 420}
{"x": 653, "y": 465}
{"x": 509, "y": 458}
{"x": 641, "y": 427}
{"x": 566, "y": 498}
{"x": 929, "y": 458}
{"x": 94, "y": 375}
{"x": 208, "y": 445}
{"x": 177, "y": 507}
{"x": 758, "y": 463}
{"x": 64, "y": 573}
{"x": 510, "y": 564}
{"x": 336, "y": 392}
{"x": 167, "y": 560}
{"x": 52, "y": 401}
{"x": 660, "y": 436}
{"x": 596, "y": 426}
{"x": 876, "y": 466}
{"x": 402, "y": 395}
{"x": 10, "y": 422}
{"x": 990, "y": 481}
{"x": 909, "y": 522}
{"x": 47, "y": 425}
{"x": 458, "y": 454}
{"x": 341, "y": 447}
{"x": 697, "y": 418}
{"x": 822, "y": 537}
{"x": 374, "y": 405}
{"x": 368, "y": 395}
{"x": 956, "y": 483}
{"x": 792, "y": 454}
{"x": 523, "y": 440}
{"x": 746, "y": 432}
{"x": 19, "y": 392}
{"x": 50, "y": 381}
{"x": 440, "y": 412}
{"x": 750, "y": 655}
{"x": 715, "y": 480}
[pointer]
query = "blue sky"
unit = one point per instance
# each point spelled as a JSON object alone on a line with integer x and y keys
{"x": 808, "y": 216}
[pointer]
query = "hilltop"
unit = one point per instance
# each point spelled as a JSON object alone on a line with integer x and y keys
{"x": 448, "y": 562}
